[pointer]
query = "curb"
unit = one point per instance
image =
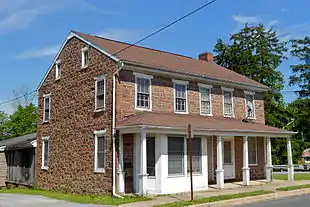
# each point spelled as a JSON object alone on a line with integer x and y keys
{"x": 254, "y": 199}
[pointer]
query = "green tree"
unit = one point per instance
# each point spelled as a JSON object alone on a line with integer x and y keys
{"x": 22, "y": 121}
{"x": 3, "y": 120}
{"x": 256, "y": 52}
{"x": 301, "y": 71}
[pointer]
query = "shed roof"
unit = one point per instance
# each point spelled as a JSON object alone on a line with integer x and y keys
{"x": 20, "y": 142}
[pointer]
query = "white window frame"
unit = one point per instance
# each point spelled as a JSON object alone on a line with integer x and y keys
{"x": 149, "y": 77}
{"x": 97, "y": 79}
{"x": 45, "y": 96}
{"x": 209, "y": 87}
{"x": 44, "y": 139}
{"x": 99, "y": 134}
{"x": 255, "y": 140}
{"x": 57, "y": 69}
{"x": 84, "y": 49}
{"x": 231, "y": 90}
{"x": 254, "y": 112}
{"x": 180, "y": 82}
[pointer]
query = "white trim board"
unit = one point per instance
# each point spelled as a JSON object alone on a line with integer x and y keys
{"x": 70, "y": 36}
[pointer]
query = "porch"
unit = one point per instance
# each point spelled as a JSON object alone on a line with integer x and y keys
{"x": 153, "y": 159}
{"x": 158, "y": 163}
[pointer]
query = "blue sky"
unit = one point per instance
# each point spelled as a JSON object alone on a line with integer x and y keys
{"x": 31, "y": 31}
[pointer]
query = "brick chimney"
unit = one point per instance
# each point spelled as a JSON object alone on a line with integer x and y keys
{"x": 206, "y": 56}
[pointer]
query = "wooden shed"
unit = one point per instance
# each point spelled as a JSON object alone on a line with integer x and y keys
{"x": 17, "y": 160}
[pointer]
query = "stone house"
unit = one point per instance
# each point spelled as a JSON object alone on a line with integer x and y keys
{"x": 113, "y": 118}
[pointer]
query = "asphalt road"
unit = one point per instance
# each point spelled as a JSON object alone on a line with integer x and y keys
{"x": 18, "y": 200}
{"x": 302, "y": 201}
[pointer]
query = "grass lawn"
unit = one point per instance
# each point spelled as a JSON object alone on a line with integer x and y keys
{"x": 303, "y": 176}
{"x": 294, "y": 187}
{"x": 214, "y": 199}
{"x": 76, "y": 198}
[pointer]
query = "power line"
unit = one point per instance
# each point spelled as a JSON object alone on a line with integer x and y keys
{"x": 139, "y": 41}
{"x": 16, "y": 98}
{"x": 167, "y": 26}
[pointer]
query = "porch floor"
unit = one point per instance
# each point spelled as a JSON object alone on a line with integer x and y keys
{"x": 229, "y": 188}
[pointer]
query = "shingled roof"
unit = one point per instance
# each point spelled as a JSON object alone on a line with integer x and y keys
{"x": 157, "y": 59}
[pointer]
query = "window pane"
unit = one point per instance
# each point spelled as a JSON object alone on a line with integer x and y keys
{"x": 205, "y": 94}
{"x": 196, "y": 154}
{"x": 46, "y": 108}
{"x": 249, "y": 105}
{"x": 100, "y": 152}
{"x": 100, "y": 102}
{"x": 143, "y": 92}
{"x": 180, "y": 91}
{"x": 100, "y": 87}
{"x": 85, "y": 57}
{"x": 205, "y": 107}
{"x": 150, "y": 149}
{"x": 45, "y": 153}
{"x": 227, "y": 152}
{"x": 227, "y": 97}
{"x": 252, "y": 150}
{"x": 175, "y": 155}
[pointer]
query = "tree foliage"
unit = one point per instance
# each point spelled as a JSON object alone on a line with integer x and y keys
{"x": 301, "y": 71}
{"x": 256, "y": 52}
{"x": 22, "y": 121}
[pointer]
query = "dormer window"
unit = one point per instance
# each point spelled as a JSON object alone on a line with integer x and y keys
{"x": 249, "y": 105}
{"x": 85, "y": 57}
{"x": 58, "y": 70}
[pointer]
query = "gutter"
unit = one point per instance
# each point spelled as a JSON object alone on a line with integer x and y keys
{"x": 114, "y": 129}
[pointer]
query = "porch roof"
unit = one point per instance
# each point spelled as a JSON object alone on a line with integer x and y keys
{"x": 200, "y": 123}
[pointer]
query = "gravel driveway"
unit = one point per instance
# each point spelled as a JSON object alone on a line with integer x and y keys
{"x": 18, "y": 200}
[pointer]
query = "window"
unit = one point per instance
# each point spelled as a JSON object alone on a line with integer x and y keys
{"x": 47, "y": 108}
{"x": 100, "y": 93}
{"x": 175, "y": 155}
{"x": 252, "y": 145}
{"x": 196, "y": 154}
{"x": 143, "y": 91}
{"x": 205, "y": 99}
{"x": 249, "y": 105}
{"x": 228, "y": 102}
{"x": 45, "y": 152}
{"x": 58, "y": 70}
{"x": 150, "y": 149}
{"x": 227, "y": 152}
{"x": 180, "y": 96}
{"x": 99, "y": 151}
{"x": 85, "y": 59}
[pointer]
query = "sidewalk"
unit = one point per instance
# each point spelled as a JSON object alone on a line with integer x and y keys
{"x": 230, "y": 188}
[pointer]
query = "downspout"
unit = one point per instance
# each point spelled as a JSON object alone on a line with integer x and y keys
{"x": 114, "y": 130}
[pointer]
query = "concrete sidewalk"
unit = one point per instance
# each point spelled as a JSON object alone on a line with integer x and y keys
{"x": 229, "y": 188}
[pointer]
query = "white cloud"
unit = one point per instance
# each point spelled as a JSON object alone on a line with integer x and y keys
{"x": 284, "y": 10}
{"x": 38, "y": 53}
{"x": 126, "y": 35}
{"x": 247, "y": 19}
{"x": 17, "y": 14}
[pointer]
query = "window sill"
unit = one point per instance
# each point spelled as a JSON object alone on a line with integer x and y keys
{"x": 142, "y": 109}
{"x": 44, "y": 168}
{"x": 57, "y": 79}
{"x": 84, "y": 67}
{"x": 229, "y": 116}
{"x": 194, "y": 174}
{"x": 253, "y": 165}
{"x": 99, "y": 171}
{"x": 151, "y": 177}
{"x": 175, "y": 176}
{"x": 99, "y": 110}
{"x": 181, "y": 112}
{"x": 46, "y": 122}
{"x": 251, "y": 118}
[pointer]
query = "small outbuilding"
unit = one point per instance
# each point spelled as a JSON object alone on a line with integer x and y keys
{"x": 17, "y": 160}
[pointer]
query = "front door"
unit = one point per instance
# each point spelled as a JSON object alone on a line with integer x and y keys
{"x": 229, "y": 158}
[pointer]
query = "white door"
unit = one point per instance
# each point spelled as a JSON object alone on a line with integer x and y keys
{"x": 229, "y": 158}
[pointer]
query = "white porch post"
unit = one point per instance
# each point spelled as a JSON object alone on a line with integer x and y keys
{"x": 246, "y": 169}
{"x": 220, "y": 169}
{"x": 290, "y": 166}
{"x": 143, "y": 168}
{"x": 269, "y": 161}
{"x": 121, "y": 173}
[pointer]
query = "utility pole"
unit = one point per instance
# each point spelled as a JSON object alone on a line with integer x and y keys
{"x": 189, "y": 150}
